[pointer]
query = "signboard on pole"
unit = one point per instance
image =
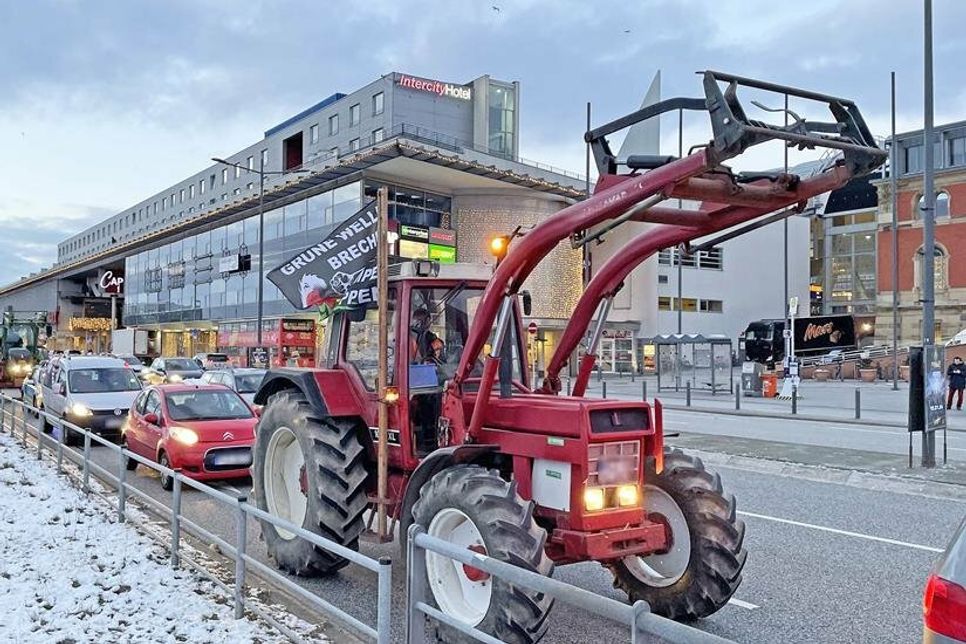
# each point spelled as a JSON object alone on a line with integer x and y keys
{"x": 532, "y": 328}
{"x": 339, "y": 271}
{"x": 933, "y": 361}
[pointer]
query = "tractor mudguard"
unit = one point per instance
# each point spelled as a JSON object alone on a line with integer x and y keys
{"x": 430, "y": 466}
{"x": 328, "y": 390}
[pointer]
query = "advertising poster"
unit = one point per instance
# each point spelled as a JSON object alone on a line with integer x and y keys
{"x": 935, "y": 387}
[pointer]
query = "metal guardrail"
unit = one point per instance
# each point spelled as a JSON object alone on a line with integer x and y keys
{"x": 237, "y": 551}
{"x": 638, "y": 617}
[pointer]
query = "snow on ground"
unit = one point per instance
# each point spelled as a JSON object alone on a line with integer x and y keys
{"x": 71, "y": 574}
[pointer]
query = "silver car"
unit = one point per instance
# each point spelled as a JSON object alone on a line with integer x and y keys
{"x": 244, "y": 381}
{"x": 944, "y": 602}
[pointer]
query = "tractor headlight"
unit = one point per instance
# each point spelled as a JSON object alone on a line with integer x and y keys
{"x": 80, "y": 410}
{"x": 594, "y": 499}
{"x": 627, "y": 496}
{"x": 183, "y": 435}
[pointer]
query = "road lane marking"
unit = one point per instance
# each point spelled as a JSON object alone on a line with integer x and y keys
{"x": 743, "y": 604}
{"x": 847, "y": 533}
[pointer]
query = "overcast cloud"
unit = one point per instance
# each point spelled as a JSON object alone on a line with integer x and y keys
{"x": 105, "y": 103}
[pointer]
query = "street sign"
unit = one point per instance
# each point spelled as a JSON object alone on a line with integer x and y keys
{"x": 793, "y": 306}
{"x": 532, "y": 328}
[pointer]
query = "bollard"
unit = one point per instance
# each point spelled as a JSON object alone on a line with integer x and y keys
{"x": 794, "y": 400}
{"x": 384, "y": 601}
{"x": 241, "y": 541}
{"x": 40, "y": 440}
{"x": 858, "y": 403}
{"x": 632, "y": 375}
{"x": 23, "y": 425}
{"x": 87, "y": 463}
{"x": 604, "y": 389}
{"x": 121, "y": 485}
{"x": 644, "y": 390}
{"x": 738, "y": 398}
{"x": 687, "y": 393}
{"x": 600, "y": 374}
{"x": 60, "y": 450}
{"x": 176, "y": 522}
{"x": 568, "y": 386}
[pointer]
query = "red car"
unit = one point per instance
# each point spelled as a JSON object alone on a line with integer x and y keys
{"x": 205, "y": 430}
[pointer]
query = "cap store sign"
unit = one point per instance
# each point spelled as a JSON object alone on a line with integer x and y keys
{"x": 436, "y": 87}
{"x": 111, "y": 283}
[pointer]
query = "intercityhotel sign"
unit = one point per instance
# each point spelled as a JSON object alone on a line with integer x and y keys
{"x": 439, "y": 88}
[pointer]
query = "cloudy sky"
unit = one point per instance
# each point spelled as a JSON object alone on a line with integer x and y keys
{"x": 106, "y": 102}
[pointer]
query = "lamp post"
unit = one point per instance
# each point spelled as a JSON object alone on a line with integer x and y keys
{"x": 262, "y": 173}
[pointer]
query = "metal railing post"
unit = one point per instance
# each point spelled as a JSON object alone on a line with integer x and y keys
{"x": 738, "y": 398}
{"x": 416, "y": 587}
{"x": 3, "y": 412}
{"x": 639, "y": 634}
{"x": 40, "y": 438}
{"x": 643, "y": 390}
{"x": 121, "y": 485}
{"x": 794, "y": 400}
{"x": 176, "y": 522}
{"x": 604, "y": 389}
{"x": 383, "y": 601}
{"x": 858, "y": 403}
{"x": 87, "y": 462}
{"x": 60, "y": 448}
{"x": 241, "y": 542}
{"x": 23, "y": 425}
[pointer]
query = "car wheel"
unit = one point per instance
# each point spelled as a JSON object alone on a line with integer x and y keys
{"x": 129, "y": 463}
{"x": 167, "y": 481}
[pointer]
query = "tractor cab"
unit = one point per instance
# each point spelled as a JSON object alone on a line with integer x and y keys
{"x": 431, "y": 310}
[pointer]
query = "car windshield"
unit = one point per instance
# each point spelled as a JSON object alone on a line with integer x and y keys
{"x": 213, "y": 404}
{"x": 758, "y": 332}
{"x": 20, "y": 354}
{"x": 181, "y": 364}
{"x": 130, "y": 360}
{"x": 249, "y": 383}
{"x": 92, "y": 381}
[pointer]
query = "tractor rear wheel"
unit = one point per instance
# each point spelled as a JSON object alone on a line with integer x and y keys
{"x": 472, "y": 507}
{"x": 310, "y": 471}
{"x": 702, "y": 569}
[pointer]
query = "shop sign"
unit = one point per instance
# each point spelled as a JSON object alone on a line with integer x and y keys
{"x": 439, "y": 88}
{"x": 442, "y": 254}
{"x": 89, "y": 324}
{"x": 413, "y": 249}
{"x": 619, "y": 334}
{"x": 298, "y": 325}
{"x": 111, "y": 282}
{"x": 414, "y": 232}
{"x": 228, "y": 264}
{"x": 339, "y": 271}
{"x": 442, "y": 236}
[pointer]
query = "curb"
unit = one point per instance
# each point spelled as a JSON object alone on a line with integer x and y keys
{"x": 842, "y": 476}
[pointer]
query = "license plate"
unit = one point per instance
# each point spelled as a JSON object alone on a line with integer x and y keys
{"x": 113, "y": 423}
{"x": 239, "y": 458}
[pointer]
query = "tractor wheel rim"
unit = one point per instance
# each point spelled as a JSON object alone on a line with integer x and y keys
{"x": 284, "y": 467}
{"x": 461, "y": 592}
{"x": 661, "y": 570}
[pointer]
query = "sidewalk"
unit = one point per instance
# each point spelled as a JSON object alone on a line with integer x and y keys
{"x": 71, "y": 574}
{"x": 878, "y": 402}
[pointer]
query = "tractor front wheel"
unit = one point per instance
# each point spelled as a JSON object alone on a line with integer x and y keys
{"x": 702, "y": 569}
{"x": 472, "y": 507}
{"x": 311, "y": 471}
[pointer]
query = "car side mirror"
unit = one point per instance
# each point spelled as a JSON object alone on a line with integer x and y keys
{"x": 151, "y": 418}
{"x": 527, "y": 302}
{"x": 62, "y": 389}
{"x": 258, "y": 409}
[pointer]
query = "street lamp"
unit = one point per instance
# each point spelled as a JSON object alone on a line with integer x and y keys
{"x": 262, "y": 172}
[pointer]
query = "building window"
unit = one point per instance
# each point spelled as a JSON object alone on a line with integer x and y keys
{"x": 707, "y": 259}
{"x": 264, "y": 158}
{"x": 250, "y": 186}
{"x": 502, "y": 109}
{"x": 237, "y": 172}
{"x": 377, "y": 135}
{"x": 333, "y": 125}
{"x": 251, "y": 163}
{"x": 201, "y": 187}
{"x": 662, "y": 279}
{"x": 224, "y": 176}
{"x": 314, "y": 133}
{"x": 940, "y": 268}
{"x": 942, "y": 205}
{"x": 334, "y": 152}
{"x": 353, "y": 145}
{"x": 663, "y": 303}
{"x": 355, "y": 114}
{"x": 914, "y": 158}
{"x": 181, "y": 196}
{"x": 191, "y": 191}
{"x": 378, "y": 104}
{"x": 164, "y": 203}
{"x": 957, "y": 151}
{"x": 224, "y": 196}
{"x": 236, "y": 191}
{"x": 711, "y": 306}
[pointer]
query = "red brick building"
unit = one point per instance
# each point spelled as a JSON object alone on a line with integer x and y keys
{"x": 950, "y": 259}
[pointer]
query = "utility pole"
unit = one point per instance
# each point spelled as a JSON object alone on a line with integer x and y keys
{"x": 382, "y": 283}
{"x": 893, "y": 188}
{"x": 928, "y": 218}
{"x": 680, "y": 250}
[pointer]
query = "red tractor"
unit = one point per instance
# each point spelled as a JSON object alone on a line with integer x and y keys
{"x": 484, "y": 458}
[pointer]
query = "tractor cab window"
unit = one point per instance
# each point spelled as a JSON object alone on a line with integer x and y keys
{"x": 439, "y": 324}
{"x": 362, "y": 344}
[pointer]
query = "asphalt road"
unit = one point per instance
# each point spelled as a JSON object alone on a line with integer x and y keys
{"x": 827, "y": 563}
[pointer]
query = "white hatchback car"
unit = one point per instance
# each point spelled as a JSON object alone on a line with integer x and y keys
{"x": 91, "y": 392}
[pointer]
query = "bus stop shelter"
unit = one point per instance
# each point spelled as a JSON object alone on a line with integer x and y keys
{"x": 704, "y": 361}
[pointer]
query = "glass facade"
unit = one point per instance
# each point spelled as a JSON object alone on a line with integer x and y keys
{"x": 182, "y": 281}
{"x": 850, "y": 281}
{"x": 502, "y": 106}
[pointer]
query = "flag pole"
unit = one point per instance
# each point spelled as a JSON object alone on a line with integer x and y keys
{"x": 382, "y": 269}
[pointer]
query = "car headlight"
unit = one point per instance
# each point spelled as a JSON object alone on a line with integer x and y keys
{"x": 594, "y": 499}
{"x": 627, "y": 496}
{"x": 80, "y": 410}
{"x": 183, "y": 435}
{"x": 175, "y": 378}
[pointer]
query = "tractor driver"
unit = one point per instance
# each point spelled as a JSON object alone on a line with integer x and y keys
{"x": 425, "y": 347}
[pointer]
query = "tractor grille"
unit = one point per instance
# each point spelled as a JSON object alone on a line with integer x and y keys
{"x": 618, "y": 420}
{"x": 613, "y": 463}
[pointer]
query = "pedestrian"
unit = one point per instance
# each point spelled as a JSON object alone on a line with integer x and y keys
{"x": 957, "y": 382}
